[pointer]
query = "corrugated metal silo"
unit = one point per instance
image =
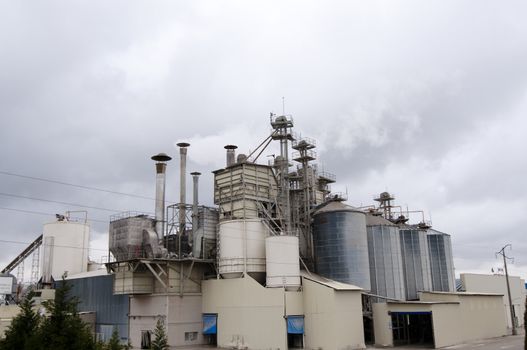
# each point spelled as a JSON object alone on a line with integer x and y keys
{"x": 441, "y": 261}
{"x": 416, "y": 261}
{"x": 340, "y": 244}
{"x": 386, "y": 262}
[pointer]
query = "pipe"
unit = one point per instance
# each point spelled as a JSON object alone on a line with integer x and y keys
{"x": 161, "y": 166}
{"x": 183, "y": 184}
{"x": 195, "y": 178}
{"x": 231, "y": 154}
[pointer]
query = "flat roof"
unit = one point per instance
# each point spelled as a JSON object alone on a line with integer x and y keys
{"x": 328, "y": 282}
{"x": 422, "y": 302}
{"x": 464, "y": 293}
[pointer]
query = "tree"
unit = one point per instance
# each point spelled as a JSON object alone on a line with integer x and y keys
{"x": 21, "y": 333}
{"x": 115, "y": 341}
{"x": 63, "y": 329}
{"x": 160, "y": 341}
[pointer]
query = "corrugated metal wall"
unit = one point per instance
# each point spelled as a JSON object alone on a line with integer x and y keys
{"x": 386, "y": 264}
{"x": 96, "y": 294}
{"x": 441, "y": 261}
{"x": 341, "y": 247}
{"x": 416, "y": 261}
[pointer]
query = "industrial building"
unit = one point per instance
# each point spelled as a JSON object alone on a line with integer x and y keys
{"x": 279, "y": 262}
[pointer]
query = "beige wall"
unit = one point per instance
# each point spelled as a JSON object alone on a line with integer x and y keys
{"x": 475, "y": 317}
{"x": 184, "y": 316}
{"x": 7, "y": 313}
{"x": 333, "y": 318}
{"x": 478, "y": 283}
{"x": 249, "y": 315}
{"x": 456, "y": 318}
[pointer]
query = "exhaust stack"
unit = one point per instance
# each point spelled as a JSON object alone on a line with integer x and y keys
{"x": 183, "y": 185}
{"x": 161, "y": 166}
{"x": 195, "y": 178}
{"x": 231, "y": 154}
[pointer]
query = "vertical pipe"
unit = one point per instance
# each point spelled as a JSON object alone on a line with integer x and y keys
{"x": 195, "y": 202}
{"x": 161, "y": 166}
{"x": 182, "y": 192}
{"x": 231, "y": 154}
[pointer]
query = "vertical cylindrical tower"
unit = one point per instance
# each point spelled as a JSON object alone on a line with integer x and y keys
{"x": 341, "y": 245}
{"x": 195, "y": 202}
{"x": 161, "y": 166}
{"x": 231, "y": 154}
{"x": 183, "y": 184}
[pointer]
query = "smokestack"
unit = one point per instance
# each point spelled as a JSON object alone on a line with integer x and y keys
{"x": 183, "y": 183}
{"x": 161, "y": 166}
{"x": 195, "y": 179}
{"x": 231, "y": 154}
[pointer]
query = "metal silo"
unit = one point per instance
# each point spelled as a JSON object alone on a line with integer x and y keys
{"x": 386, "y": 262}
{"x": 340, "y": 244}
{"x": 441, "y": 261}
{"x": 416, "y": 261}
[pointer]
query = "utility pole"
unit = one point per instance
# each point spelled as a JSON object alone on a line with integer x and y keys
{"x": 505, "y": 257}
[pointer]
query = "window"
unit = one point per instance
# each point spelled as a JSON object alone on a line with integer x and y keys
{"x": 191, "y": 336}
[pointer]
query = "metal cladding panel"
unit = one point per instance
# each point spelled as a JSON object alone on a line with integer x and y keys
{"x": 416, "y": 261}
{"x": 96, "y": 294}
{"x": 386, "y": 263}
{"x": 126, "y": 237}
{"x": 441, "y": 261}
{"x": 341, "y": 247}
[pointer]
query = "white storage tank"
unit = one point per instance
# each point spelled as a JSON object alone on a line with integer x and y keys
{"x": 65, "y": 248}
{"x": 282, "y": 262}
{"x": 241, "y": 247}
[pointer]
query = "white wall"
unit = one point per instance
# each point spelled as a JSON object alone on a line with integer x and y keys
{"x": 249, "y": 315}
{"x": 333, "y": 318}
{"x": 478, "y": 283}
{"x": 184, "y": 316}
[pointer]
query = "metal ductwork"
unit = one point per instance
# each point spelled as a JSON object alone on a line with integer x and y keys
{"x": 183, "y": 184}
{"x": 231, "y": 154}
{"x": 161, "y": 166}
{"x": 195, "y": 202}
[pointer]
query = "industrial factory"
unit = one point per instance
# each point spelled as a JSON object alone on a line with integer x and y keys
{"x": 280, "y": 261}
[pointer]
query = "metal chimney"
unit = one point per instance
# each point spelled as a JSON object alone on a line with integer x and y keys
{"x": 231, "y": 153}
{"x": 183, "y": 185}
{"x": 161, "y": 166}
{"x": 195, "y": 179}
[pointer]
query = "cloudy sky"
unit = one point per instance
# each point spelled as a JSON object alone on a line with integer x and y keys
{"x": 427, "y": 100}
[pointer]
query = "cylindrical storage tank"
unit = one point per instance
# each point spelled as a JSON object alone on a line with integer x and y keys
{"x": 242, "y": 248}
{"x": 66, "y": 245}
{"x": 416, "y": 261}
{"x": 282, "y": 262}
{"x": 386, "y": 264}
{"x": 340, "y": 244}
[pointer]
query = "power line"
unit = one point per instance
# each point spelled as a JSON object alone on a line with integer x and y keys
{"x": 46, "y": 214}
{"x": 52, "y": 245}
{"x": 59, "y": 202}
{"x": 75, "y": 185}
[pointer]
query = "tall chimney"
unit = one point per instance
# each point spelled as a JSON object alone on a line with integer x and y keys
{"x": 183, "y": 185}
{"x": 195, "y": 202}
{"x": 161, "y": 166}
{"x": 231, "y": 153}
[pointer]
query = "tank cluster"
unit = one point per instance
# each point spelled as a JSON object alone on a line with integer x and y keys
{"x": 272, "y": 219}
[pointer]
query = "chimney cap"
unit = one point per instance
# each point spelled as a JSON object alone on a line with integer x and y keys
{"x": 230, "y": 147}
{"x": 161, "y": 157}
{"x": 197, "y": 173}
{"x": 183, "y": 144}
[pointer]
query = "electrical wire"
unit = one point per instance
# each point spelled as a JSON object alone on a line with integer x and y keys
{"x": 46, "y": 214}
{"x": 59, "y": 202}
{"x": 52, "y": 245}
{"x": 75, "y": 185}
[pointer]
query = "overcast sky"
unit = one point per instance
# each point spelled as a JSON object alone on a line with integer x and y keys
{"x": 425, "y": 99}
